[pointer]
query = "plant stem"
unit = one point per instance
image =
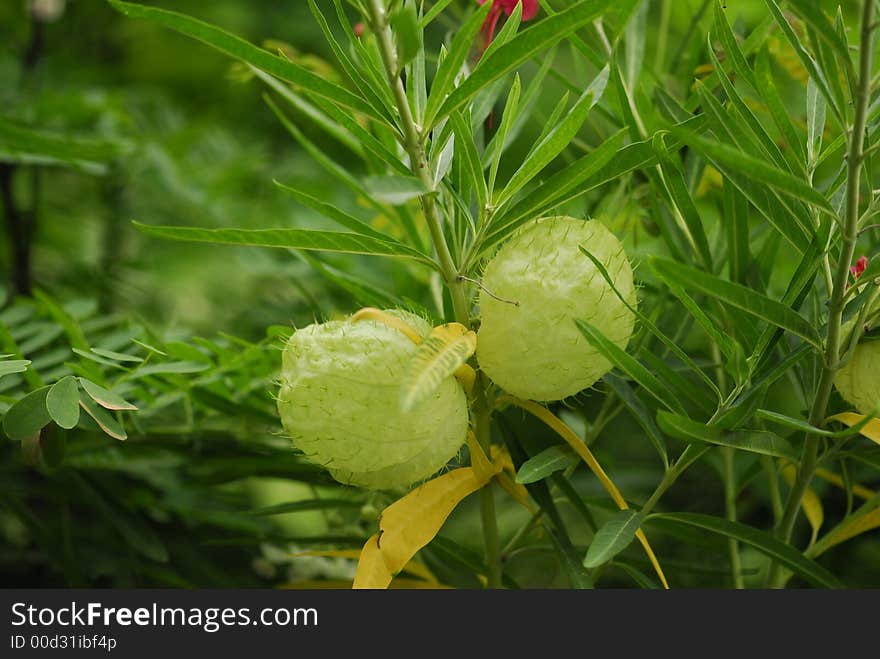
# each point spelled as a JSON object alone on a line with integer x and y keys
{"x": 727, "y": 455}
{"x": 491, "y": 540}
{"x": 414, "y": 143}
{"x": 855, "y": 156}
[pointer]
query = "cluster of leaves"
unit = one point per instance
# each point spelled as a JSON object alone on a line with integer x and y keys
{"x": 172, "y": 504}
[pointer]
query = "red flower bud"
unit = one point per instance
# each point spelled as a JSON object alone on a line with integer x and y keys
{"x": 859, "y": 268}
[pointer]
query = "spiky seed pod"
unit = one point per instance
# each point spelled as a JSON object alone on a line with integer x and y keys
{"x": 533, "y": 349}
{"x": 340, "y": 403}
{"x": 859, "y": 379}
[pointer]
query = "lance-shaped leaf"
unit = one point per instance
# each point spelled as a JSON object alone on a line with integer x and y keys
{"x": 519, "y": 49}
{"x": 736, "y": 295}
{"x": 557, "y": 139}
{"x": 754, "y": 441}
{"x": 410, "y": 523}
{"x": 547, "y": 462}
{"x": 446, "y": 349}
{"x": 762, "y": 541}
{"x": 104, "y": 397}
{"x": 614, "y": 536}
{"x": 104, "y": 419}
{"x": 305, "y": 239}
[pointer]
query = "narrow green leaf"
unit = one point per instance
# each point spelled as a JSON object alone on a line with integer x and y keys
{"x": 815, "y": 121}
{"x": 807, "y": 427}
{"x": 737, "y": 296}
{"x": 606, "y": 162}
{"x": 438, "y": 357}
{"x": 766, "y": 87}
{"x": 245, "y": 51}
{"x": 510, "y": 111}
{"x": 557, "y": 140}
{"x": 13, "y": 366}
{"x": 378, "y": 97}
{"x": 170, "y": 368}
{"x": 405, "y": 25}
{"x": 105, "y": 397}
{"x": 755, "y": 169}
{"x": 62, "y": 402}
{"x": 805, "y": 57}
{"x": 321, "y": 241}
{"x": 395, "y": 190}
{"x": 641, "y": 413}
{"x": 470, "y": 158}
{"x": 104, "y": 419}
{"x": 646, "y": 322}
{"x": 525, "y": 45}
{"x": 753, "y": 441}
{"x": 630, "y": 366}
{"x": 333, "y": 213}
{"x": 28, "y": 416}
{"x": 450, "y": 66}
{"x": 434, "y": 12}
{"x": 763, "y": 140}
{"x": 760, "y": 540}
{"x": 615, "y": 535}
{"x": 678, "y": 192}
{"x": 545, "y": 463}
{"x": 116, "y": 356}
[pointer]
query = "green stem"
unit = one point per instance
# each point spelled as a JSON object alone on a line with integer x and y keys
{"x": 492, "y": 543}
{"x": 855, "y": 157}
{"x": 730, "y": 506}
{"x": 414, "y": 143}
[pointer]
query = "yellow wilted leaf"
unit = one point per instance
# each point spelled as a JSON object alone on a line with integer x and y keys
{"x": 848, "y": 529}
{"x": 410, "y": 523}
{"x": 837, "y": 480}
{"x": 871, "y": 429}
{"x": 811, "y": 503}
{"x": 571, "y": 438}
{"x": 439, "y": 356}
{"x": 369, "y": 313}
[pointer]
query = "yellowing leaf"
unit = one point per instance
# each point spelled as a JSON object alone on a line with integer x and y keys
{"x": 410, "y": 523}
{"x": 446, "y": 349}
{"x": 369, "y": 313}
{"x": 871, "y": 429}
{"x": 836, "y": 480}
{"x": 848, "y": 529}
{"x": 571, "y": 438}
{"x": 811, "y": 503}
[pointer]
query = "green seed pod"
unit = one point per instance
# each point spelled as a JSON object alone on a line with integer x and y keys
{"x": 533, "y": 349}
{"x": 858, "y": 381}
{"x": 340, "y": 403}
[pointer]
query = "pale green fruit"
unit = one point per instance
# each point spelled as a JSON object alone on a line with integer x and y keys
{"x": 859, "y": 380}
{"x": 340, "y": 403}
{"x": 534, "y": 350}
